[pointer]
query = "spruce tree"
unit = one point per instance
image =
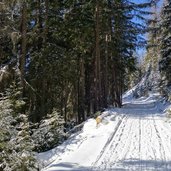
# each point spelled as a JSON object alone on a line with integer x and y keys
{"x": 74, "y": 55}
{"x": 165, "y": 48}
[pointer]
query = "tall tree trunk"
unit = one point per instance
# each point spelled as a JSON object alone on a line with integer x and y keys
{"x": 43, "y": 96}
{"x": 23, "y": 44}
{"x": 46, "y": 20}
{"x": 155, "y": 48}
{"x": 106, "y": 88}
{"x": 39, "y": 21}
{"x": 81, "y": 89}
{"x": 97, "y": 62}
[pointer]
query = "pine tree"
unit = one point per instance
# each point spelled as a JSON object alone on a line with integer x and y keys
{"x": 74, "y": 55}
{"x": 165, "y": 48}
{"x": 23, "y": 30}
{"x": 152, "y": 55}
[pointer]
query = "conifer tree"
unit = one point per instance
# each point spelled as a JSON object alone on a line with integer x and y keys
{"x": 165, "y": 48}
{"x": 74, "y": 55}
{"x": 152, "y": 55}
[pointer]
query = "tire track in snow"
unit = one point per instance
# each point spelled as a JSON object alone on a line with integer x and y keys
{"x": 128, "y": 142}
{"x": 159, "y": 140}
{"x": 167, "y": 137}
{"x": 143, "y": 133}
{"x": 119, "y": 147}
{"x": 140, "y": 140}
{"x": 147, "y": 150}
{"x": 151, "y": 140}
{"x": 114, "y": 151}
{"x": 109, "y": 142}
{"x": 163, "y": 130}
{"x": 139, "y": 149}
{"x": 163, "y": 145}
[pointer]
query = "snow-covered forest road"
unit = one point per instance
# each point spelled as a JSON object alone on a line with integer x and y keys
{"x": 136, "y": 137}
{"x": 141, "y": 142}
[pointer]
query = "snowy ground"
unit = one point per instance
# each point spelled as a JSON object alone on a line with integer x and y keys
{"x": 136, "y": 137}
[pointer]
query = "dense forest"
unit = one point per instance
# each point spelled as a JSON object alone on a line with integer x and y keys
{"x": 62, "y": 62}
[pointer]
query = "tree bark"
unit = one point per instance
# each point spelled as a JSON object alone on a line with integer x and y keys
{"x": 97, "y": 62}
{"x": 106, "y": 88}
{"x": 81, "y": 89}
{"x": 46, "y": 20}
{"x": 23, "y": 45}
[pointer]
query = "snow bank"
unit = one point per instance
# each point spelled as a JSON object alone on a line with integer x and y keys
{"x": 72, "y": 149}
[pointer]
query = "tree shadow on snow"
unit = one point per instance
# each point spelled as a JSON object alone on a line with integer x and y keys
{"x": 67, "y": 166}
{"x": 51, "y": 155}
{"x": 125, "y": 165}
{"x": 134, "y": 110}
{"x": 143, "y": 165}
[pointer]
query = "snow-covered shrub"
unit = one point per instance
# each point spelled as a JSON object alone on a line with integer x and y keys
{"x": 15, "y": 141}
{"x": 49, "y": 133}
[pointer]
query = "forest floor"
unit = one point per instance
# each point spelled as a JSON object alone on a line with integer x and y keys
{"x": 136, "y": 137}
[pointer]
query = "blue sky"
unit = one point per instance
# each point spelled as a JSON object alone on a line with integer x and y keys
{"x": 141, "y": 1}
{"x": 141, "y": 52}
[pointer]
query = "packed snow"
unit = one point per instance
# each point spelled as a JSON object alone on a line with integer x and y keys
{"x": 136, "y": 137}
